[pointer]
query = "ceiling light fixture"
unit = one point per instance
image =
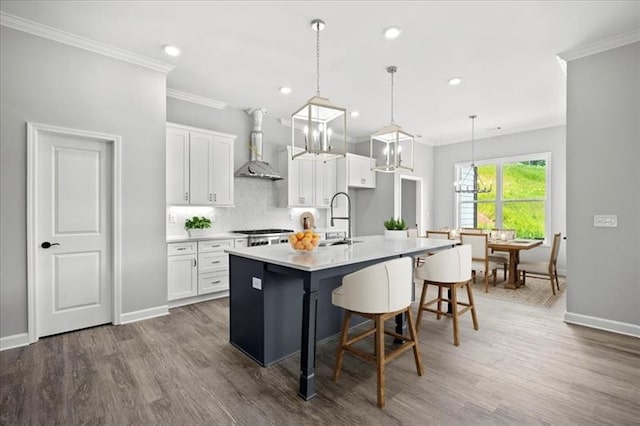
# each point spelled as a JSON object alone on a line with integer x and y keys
{"x": 471, "y": 182}
{"x": 392, "y": 33}
{"x": 285, "y": 90}
{"x": 355, "y": 114}
{"x": 455, "y": 81}
{"x": 319, "y": 128}
{"x": 171, "y": 50}
{"x": 393, "y": 142}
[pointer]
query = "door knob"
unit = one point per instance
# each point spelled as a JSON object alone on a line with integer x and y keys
{"x": 47, "y": 244}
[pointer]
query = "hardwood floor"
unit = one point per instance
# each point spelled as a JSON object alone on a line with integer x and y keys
{"x": 524, "y": 366}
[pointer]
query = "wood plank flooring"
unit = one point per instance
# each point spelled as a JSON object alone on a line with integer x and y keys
{"x": 524, "y": 366}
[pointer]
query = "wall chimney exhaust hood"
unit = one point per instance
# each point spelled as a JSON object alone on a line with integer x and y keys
{"x": 255, "y": 167}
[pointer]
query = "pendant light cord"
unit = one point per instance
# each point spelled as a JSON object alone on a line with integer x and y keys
{"x": 318, "y": 59}
{"x": 392, "y": 122}
{"x": 473, "y": 156}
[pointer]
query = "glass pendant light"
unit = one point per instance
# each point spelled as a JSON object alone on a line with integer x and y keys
{"x": 391, "y": 142}
{"x": 319, "y": 128}
{"x": 471, "y": 182}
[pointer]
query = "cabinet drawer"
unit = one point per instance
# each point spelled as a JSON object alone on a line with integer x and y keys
{"x": 214, "y": 245}
{"x": 188, "y": 247}
{"x": 212, "y": 282}
{"x": 214, "y": 261}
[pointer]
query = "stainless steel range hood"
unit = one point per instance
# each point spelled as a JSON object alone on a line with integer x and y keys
{"x": 255, "y": 167}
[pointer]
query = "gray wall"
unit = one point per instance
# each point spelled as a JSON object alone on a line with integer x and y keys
{"x": 409, "y": 202}
{"x": 543, "y": 140}
{"x": 47, "y": 82}
{"x": 603, "y": 177}
{"x": 373, "y": 207}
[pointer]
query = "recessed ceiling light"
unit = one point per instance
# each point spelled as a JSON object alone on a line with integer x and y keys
{"x": 171, "y": 50}
{"x": 285, "y": 90}
{"x": 455, "y": 81}
{"x": 355, "y": 114}
{"x": 392, "y": 32}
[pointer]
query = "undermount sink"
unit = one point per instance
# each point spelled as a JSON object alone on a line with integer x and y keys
{"x": 327, "y": 243}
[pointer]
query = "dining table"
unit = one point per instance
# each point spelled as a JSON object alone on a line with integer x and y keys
{"x": 513, "y": 247}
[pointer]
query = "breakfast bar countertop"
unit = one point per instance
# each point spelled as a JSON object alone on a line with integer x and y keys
{"x": 216, "y": 236}
{"x": 364, "y": 249}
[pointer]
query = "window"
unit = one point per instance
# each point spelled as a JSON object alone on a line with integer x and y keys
{"x": 519, "y": 198}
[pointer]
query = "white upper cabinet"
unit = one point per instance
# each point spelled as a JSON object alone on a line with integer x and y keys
{"x": 177, "y": 166}
{"x": 325, "y": 182}
{"x": 359, "y": 172}
{"x": 199, "y": 166}
{"x": 223, "y": 171}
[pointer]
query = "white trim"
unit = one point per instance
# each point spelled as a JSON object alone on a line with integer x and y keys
{"x": 600, "y": 46}
{"x": 197, "y": 299}
{"x": 51, "y": 33}
{"x": 201, "y": 130}
{"x": 14, "y": 341}
{"x": 144, "y": 314}
{"x": 603, "y": 324}
{"x": 33, "y": 130}
{"x": 195, "y": 99}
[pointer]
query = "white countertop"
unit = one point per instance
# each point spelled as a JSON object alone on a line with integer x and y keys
{"x": 370, "y": 248}
{"x": 218, "y": 236}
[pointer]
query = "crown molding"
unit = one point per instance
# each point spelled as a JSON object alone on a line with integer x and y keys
{"x": 600, "y": 46}
{"x": 44, "y": 31}
{"x": 195, "y": 99}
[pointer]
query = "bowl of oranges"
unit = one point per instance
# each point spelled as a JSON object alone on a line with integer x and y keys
{"x": 304, "y": 241}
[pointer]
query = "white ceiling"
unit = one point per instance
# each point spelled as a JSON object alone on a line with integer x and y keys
{"x": 242, "y": 52}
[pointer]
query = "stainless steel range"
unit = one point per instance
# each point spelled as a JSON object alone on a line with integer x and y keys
{"x": 265, "y": 237}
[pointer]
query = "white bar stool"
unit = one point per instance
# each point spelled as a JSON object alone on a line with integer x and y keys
{"x": 378, "y": 292}
{"x": 449, "y": 269}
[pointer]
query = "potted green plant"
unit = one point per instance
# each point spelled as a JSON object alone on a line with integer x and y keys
{"x": 395, "y": 229}
{"x": 198, "y": 226}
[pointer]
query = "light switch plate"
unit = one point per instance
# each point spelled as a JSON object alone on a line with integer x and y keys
{"x": 605, "y": 220}
{"x": 256, "y": 283}
{"x": 172, "y": 218}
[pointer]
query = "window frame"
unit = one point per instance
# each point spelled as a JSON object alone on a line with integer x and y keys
{"x": 499, "y": 162}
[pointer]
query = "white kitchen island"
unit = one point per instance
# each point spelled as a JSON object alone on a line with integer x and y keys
{"x": 280, "y": 300}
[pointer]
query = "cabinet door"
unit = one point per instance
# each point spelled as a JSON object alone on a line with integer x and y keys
{"x": 222, "y": 171}
{"x": 306, "y": 182}
{"x": 360, "y": 173}
{"x": 201, "y": 159}
{"x": 177, "y": 166}
{"x": 183, "y": 276}
{"x": 325, "y": 182}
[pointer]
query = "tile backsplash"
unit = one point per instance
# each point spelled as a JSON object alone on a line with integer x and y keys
{"x": 256, "y": 207}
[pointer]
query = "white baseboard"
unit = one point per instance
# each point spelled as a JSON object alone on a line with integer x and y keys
{"x": 144, "y": 314}
{"x": 197, "y": 299}
{"x": 603, "y": 324}
{"x": 14, "y": 341}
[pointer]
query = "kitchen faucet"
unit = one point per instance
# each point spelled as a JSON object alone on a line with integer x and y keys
{"x": 347, "y": 218}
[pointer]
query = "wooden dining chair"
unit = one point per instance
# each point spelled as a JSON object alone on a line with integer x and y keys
{"x": 443, "y": 235}
{"x": 472, "y": 231}
{"x": 501, "y": 257}
{"x": 480, "y": 252}
{"x": 544, "y": 270}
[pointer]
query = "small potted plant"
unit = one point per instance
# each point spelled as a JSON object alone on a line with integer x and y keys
{"x": 198, "y": 226}
{"x": 395, "y": 229}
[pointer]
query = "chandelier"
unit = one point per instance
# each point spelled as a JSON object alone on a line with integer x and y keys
{"x": 392, "y": 142}
{"x": 319, "y": 128}
{"x": 471, "y": 182}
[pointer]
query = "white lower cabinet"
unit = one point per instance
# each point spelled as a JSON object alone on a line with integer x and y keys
{"x": 196, "y": 269}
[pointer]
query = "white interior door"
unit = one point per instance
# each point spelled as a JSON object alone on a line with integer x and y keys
{"x": 74, "y": 281}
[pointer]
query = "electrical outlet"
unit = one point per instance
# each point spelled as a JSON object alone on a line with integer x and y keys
{"x": 291, "y": 216}
{"x": 212, "y": 216}
{"x": 256, "y": 283}
{"x": 605, "y": 220}
{"x": 172, "y": 218}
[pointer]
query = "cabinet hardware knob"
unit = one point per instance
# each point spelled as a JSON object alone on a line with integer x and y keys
{"x": 215, "y": 282}
{"x": 186, "y": 196}
{"x": 210, "y": 197}
{"x": 195, "y": 263}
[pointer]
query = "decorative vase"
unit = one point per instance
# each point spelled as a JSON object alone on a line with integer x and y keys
{"x": 395, "y": 234}
{"x": 195, "y": 233}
